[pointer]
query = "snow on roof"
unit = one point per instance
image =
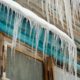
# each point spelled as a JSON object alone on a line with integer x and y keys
{"x": 29, "y": 14}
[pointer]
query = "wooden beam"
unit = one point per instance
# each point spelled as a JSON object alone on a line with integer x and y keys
{"x": 24, "y": 48}
{"x": 1, "y": 54}
{"x": 48, "y": 68}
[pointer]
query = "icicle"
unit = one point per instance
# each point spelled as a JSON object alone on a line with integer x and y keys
{"x": 56, "y": 47}
{"x": 0, "y": 7}
{"x": 17, "y": 23}
{"x": 64, "y": 59}
{"x": 38, "y": 30}
{"x": 44, "y": 44}
{"x": 45, "y": 41}
{"x": 70, "y": 58}
{"x": 10, "y": 23}
{"x": 52, "y": 45}
{"x": 68, "y": 17}
{"x": 31, "y": 27}
{"x": 7, "y": 17}
{"x": 19, "y": 34}
{"x": 74, "y": 9}
{"x": 42, "y": 2}
{"x": 47, "y": 38}
{"x": 75, "y": 62}
{"x": 53, "y": 11}
{"x": 57, "y": 6}
{"x": 25, "y": 29}
{"x": 33, "y": 38}
{"x": 72, "y": 54}
{"x": 47, "y": 11}
{"x": 28, "y": 1}
{"x": 11, "y": 18}
{"x": 49, "y": 6}
{"x": 61, "y": 12}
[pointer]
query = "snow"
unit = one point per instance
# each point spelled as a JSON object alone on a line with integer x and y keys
{"x": 41, "y": 23}
{"x": 4, "y": 76}
{"x": 30, "y": 15}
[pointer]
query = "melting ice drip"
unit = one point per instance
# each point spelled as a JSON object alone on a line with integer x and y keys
{"x": 54, "y": 40}
{"x": 66, "y": 11}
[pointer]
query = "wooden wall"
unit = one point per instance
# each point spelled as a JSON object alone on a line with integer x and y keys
{"x": 27, "y": 51}
{"x": 1, "y": 54}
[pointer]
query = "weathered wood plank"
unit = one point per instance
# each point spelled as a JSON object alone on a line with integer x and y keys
{"x": 1, "y": 54}
{"x": 48, "y": 68}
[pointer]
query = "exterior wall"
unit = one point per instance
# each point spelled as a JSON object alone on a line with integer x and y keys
{"x": 33, "y": 5}
{"x": 23, "y": 67}
{"x": 60, "y": 75}
{"x": 36, "y": 6}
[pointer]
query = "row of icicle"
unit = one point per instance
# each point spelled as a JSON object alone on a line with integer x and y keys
{"x": 69, "y": 49}
{"x": 66, "y": 11}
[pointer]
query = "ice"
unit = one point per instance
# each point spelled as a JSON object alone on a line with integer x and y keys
{"x": 38, "y": 30}
{"x": 42, "y": 6}
{"x": 45, "y": 42}
{"x": 28, "y": 2}
{"x": 61, "y": 12}
{"x": 47, "y": 10}
{"x": 7, "y": 17}
{"x": 27, "y": 13}
{"x": 17, "y": 23}
{"x": 66, "y": 11}
{"x": 68, "y": 17}
{"x": 38, "y": 23}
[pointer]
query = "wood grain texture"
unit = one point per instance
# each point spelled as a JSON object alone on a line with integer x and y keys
{"x": 1, "y": 54}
